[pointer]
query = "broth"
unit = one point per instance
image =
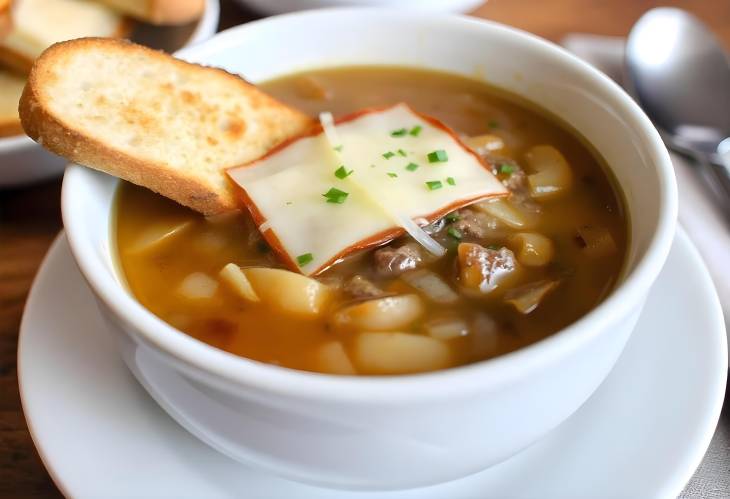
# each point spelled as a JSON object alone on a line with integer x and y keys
{"x": 161, "y": 244}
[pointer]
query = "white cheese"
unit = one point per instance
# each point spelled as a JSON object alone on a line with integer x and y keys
{"x": 284, "y": 190}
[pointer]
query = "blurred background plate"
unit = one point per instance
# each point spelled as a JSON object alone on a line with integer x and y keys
{"x": 23, "y": 162}
{"x": 282, "y": 6}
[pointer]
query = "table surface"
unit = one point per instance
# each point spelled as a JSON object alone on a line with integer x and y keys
{"x": 30, "y": 219}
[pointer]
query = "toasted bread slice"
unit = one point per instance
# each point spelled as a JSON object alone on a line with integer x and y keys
{"x": 38, "y": 24}
{"x": 11, "y": 86}
{"x": 151, "y": 119}
{"x": 4, "y": 17}
{"x": 160, "y": 12}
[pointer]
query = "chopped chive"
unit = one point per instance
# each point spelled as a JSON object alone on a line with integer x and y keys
{"x": 450, "y": 181}
{"x": 401, "y": 132}
{"x": 439, "y": 156}
{"x": 505, "y": 168}
{"x": 416, "y": 130}
{"x": 434, "y": 184}
{"x": 402, "y": 152}
{"x": 455, "y": 233}
{"x": 289, "y": 203}
{"x": 493, "y": 124}
{"x": 338, "y": 148}
{"x": 342, "y": 172}
{"x": 412, "y": 167}
{"x": 492, "y": 247}
{"x": 304, "y": 259}
{"x": 372, "y": 166}
{"x": 452, "y": 217}
{"x": 335, "y": 196}
{"x": 388, "y": 155}
{"x": 392, "y": 175}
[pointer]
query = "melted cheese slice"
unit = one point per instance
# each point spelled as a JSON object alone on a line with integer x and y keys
{"x": 284, "y": 190}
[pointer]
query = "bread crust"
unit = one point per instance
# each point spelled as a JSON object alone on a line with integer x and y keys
{"x": 20, "y": 63}
{"x": 66, "y": 140}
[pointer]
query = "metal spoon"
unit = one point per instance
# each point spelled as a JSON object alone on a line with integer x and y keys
{"x": 679, "y": 73}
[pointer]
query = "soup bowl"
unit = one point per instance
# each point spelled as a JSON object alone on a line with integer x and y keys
{"x": 394, "y": 432}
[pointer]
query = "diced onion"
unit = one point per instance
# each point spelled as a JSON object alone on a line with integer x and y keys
{"x": 399, "y": 353}
{"x": 446, "y": 329}
{"x": 599, "y": 242}
{"x": 485, "y": 335}
{"x": 505, "y": 212}
{"x": 234, "y": 277}
{"x": 484, "y": 144}
{"x": 197, "y": 286}
{"x": 288, "y": 291}
{"x": 527, "y": 298}
{"x": 533, "y": 249}
{"x": 156, "y": 235}
{"x": 332, "y": 358}
{"x": 431, "y": 285}
{"x": 380, "y": 314}
{"x": 551, "y": 175}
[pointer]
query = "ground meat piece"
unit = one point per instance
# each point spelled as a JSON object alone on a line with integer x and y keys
{"x": 390, "y": 261}
{"x": 359, "y": 287}
{"x": 484, "y": 269}
{"x": 474, "y": 224}
{"x": 515, "y": 180}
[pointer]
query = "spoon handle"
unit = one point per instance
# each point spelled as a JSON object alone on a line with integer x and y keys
{"x": 722, "y": 171}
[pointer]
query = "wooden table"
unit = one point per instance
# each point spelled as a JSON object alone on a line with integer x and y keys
{"x": 30, "y": 217}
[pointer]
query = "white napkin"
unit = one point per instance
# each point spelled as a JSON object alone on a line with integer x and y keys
{"x": 699, "y": 214}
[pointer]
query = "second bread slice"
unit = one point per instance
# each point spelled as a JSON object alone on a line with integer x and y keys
{"x": 151, "y": 119}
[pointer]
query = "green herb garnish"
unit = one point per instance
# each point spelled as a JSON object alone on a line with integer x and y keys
{"x": 493, "y": 124}
{"x": 452, "y": 217}
{"x": 492, "y": 247}
{"x": 439, "y": 156}
{"x": 450, "y": 181}
{"x": 506, "y": 169}
{"x": 434, "y": 184}
{"x": 392, "y": 175}
{"x": 335, "y": 196}
{"x": 402, "y": 152}
{"x": 304, "y": 259}
{"x": 416, "y": 130}
{"x": 411, "y": 167}
{"x": 388, "y": 155}
{"x": 338, "y": 148}
{"x": 401, "y": 132}
{"x": 342, "y": 172}
{"x": 455, "y": 233}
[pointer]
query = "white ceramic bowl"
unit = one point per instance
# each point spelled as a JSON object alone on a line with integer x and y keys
{"x": 271, "y": 7}
{"x": 23, "y": 162}
{"x": 394, "y": 432}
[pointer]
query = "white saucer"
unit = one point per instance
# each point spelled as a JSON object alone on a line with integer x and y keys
{"x": 642, "y": 434}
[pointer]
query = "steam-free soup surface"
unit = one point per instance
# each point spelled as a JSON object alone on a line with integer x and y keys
{"x": 517, "y": 270}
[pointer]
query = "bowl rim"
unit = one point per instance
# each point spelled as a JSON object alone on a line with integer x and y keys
{"x": 204, "y": 29}
{"x": 224, "y": 368}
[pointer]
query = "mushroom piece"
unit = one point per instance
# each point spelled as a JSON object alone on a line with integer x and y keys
{"x": 527, "y": 298}
{"x": 533, "y": 249}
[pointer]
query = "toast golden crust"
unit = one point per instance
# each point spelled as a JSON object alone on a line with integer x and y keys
{"x": 208, "y": 192}
{"x": 160, "y": 12}
{"x": 21, "y": 63}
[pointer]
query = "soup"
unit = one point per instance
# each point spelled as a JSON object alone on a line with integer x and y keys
{"x": 516, "y": 269}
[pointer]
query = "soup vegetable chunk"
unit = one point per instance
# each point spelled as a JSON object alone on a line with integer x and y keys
{"x": 516, "y": 267}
